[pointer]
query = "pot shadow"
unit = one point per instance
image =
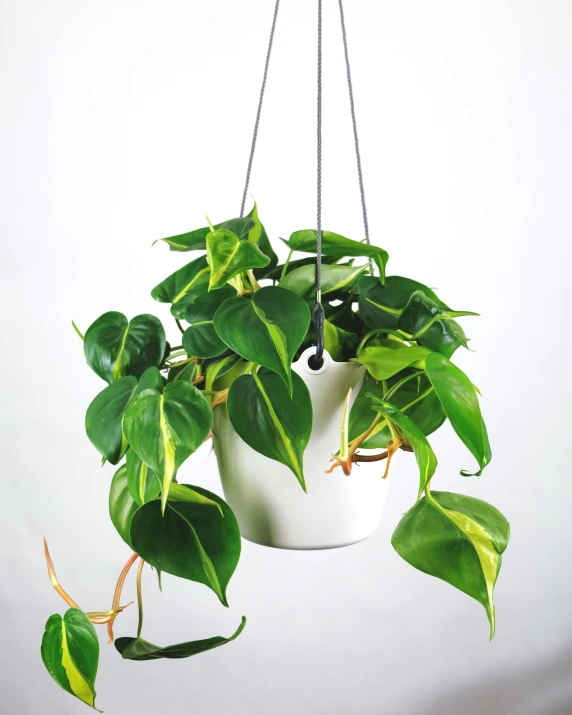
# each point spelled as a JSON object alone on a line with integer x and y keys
{"x": 543, "y": 688}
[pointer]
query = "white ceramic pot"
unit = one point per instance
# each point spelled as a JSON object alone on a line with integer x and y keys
{"x": 271, "y": 507}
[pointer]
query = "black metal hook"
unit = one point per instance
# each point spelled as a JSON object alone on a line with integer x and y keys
{"x": 318, "y": 318}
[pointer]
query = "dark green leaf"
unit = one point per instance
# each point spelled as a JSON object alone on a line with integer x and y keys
{"x": 122, "y": 506}
{"x": 228, "y": 256}
{"x": 197, "y": 240}
{"x": 139, "y": 649}
{"x": 186, "y": 373}
{"x": 165, "y": 429}
{"x": 416, "y": 398}
{"x": 432, "y": 327}
{"x": 380, "y": 306}
{"x": 458, "y": 539}
{"x": 335, "y": 245}
{"x": 70, "y": 651}
{"x": 143, "y": 484}
{"x": 276, "y": 273}
{"x": 266, "y": 329}
{"x": 115, "y": 348}
{"x": 335, "y": 279}
{"x": 459, "y": 399}
{"x": 218, "y": 368}
{"x": 104, "y": 418}
{"x": 192, "y": 541}
{"x": 340, "y": 344}
{"x": 269, "y": 420}
{"x": 201, "y": 340}
{"x": 183, "y": 286}
{"x": 413, "y": 436}
{"x": 259, "y": 237}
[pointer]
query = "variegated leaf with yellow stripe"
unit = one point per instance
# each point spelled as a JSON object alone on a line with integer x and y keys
{"x": 458, "y": 539}
{"x": 183, "y": 286}
{"x": 269, "y": 420}
{"x": 70, "y": 651}
{"x": 165, "y": 429}
{"x": 228, "y": 256}
{"x": 335, "y": 279}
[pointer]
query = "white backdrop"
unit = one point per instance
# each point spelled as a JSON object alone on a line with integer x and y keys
{"x": 126, "y": 121}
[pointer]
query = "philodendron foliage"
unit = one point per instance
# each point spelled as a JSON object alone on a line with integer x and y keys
{"x": 244, "y": 319}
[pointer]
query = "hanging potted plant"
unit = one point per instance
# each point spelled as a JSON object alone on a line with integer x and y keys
{"x": 310, "y": 375}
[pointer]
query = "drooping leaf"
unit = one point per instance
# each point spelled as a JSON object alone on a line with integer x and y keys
{"x": 335, "y": 245}
{"x": 335, "y": 279}
{"x": 70, "y": 651}
{"x": 458, "y": 539}
{"x": 190, "y": 540}
{"x": 104, "y": 418}
{"x": 183, "y": 286}
{"x": 143, "y": 484}
{"x": 186, "y": 373}
{"x": 266, "y": 329}
{"x": 185, "y": 493}
{"x": 458, "y": 397}
{"x": 383, "y": 362}
{"x": 165, "y": 429}
{"x": 339, "y": 343}
{"x": 416, "y": 398}
{"x": 115, "y": 348}
{"x": 276, "y": 273}
{"x": 201, "y": 339}
{"x": 413, "y": 436}
{"x": 218, "y": 368}
{"x": 228, "y": 256}
{"x": 139, "y": 649}
{"x": 431, "y": 326}
{"x": 259, "y": 237}
{"x": 380, "y": 306}
{"x": 122, "y": 506}
{"x": 269, "y": 420}
{"x": 197, "y": 240}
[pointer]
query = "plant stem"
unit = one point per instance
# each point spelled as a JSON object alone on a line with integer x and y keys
{"x": 393, "y": 390}
{"x": 140, "y": 598}
{"x": 285, "y": 267}
{"x": 382, "y": 331}
{"x": 77, "y": 330}
{"x": 176, "y": 347}
{"x": 179, "y": 325}
{"x": 117, "y": 595}
{"x": 253, "y": 282}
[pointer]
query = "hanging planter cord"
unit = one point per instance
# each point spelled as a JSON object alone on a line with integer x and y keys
{"x": 318, "y": 312}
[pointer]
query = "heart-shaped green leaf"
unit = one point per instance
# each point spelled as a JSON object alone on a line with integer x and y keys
{"x": 431, "y": 326}
{"x": 228, "y": 256}
{"x": 383, "y": 362}
{"x": 197, "y": 240}
{"x": 380, "y": 306}
{"x": 266, "y": 329}
{"x": 259, "y": 237}
{"x": 165, "y": 429}
{"x": 458, "y": 539}
{"x": 104, "y": 418}
{"x": 183, "y": 286}
{"x": 143, "y": 484}
{"x": 413, "y": 436}
{"x": 339, "y": 343}
{"x": 70, "y": 651}
{"x": 122, "y": 506}
{"x": 269, "y": 420}
{"x": 201, "y": 339}
{"x": 114, "y": 347}
{"x": 139, "y": 649}
{"x": 190, "y": 540}
{"x": 335, "y": 279}
{"x": 276, "y": 273}
{"x": 459, "y": 399}
{"x": 218, "y": 368}
{"x": 335, "y": 245}
{"x": 416, "y": 398}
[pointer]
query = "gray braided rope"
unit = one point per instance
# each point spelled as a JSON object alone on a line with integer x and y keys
{"x": 319, "y": 163}
{"x": 260, "y": 101}
{"x": 354, "y": 123}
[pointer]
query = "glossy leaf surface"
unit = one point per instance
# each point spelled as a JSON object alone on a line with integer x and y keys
{"x": 183, "y": 286}
{"x": 259, "y": 237}
{"x": 458, "y": 397}
{"x": 143, "y": 484}
{"x": 335, "y": 279}
{"x": 269, "y": 420}
{"x": 458, "y": 539}
{"x": 228, "y": 256}
{"x": 165, "y": 429}
{"x": 413, "y": 436}
{"x": 266, "y": 329}
{"x": 186, "y": 373}
{"x": 201, "y": 339}
{"x": 339, "y": 343}
{"x": 191, "y": 540}
{"x": 104, "y": 418}
{"x": 383, "y": 363}
{"x": 197, "y": 240}
{"x": 70, "y": 651}
{"x": 139, "y": 649}
{"x": 276, "y": 273}
{"x": 115, "y": 348}
{"x": 335, "y": 245}
{"x": 122, "y": 506}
